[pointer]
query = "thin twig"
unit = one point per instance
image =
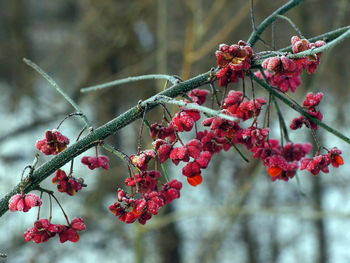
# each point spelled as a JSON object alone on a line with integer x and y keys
{"x": 118, "y": 153}
{"x": 58, "y": 88}
{"x": 68, "y": 116}
{"x": 173, "y": 79}
{"x": 214, "y": 95}
{"x": 139, "y": 141}
{"x": 237, "y": 149}
{"x": 254, "y": 37}
{"x": 64, "y": 213}
{"x": 39, "y": 209}
{"x": 292, "y": 24}
{"x": 196, "y": 107}
{"x": 282, "y": 123}
{"x": 252, "y": 18}
{"x": 297, "y": 108}
{"x": 99, "y": 134}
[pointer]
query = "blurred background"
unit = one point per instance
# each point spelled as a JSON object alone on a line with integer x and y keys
{"x": 238, "y": 214}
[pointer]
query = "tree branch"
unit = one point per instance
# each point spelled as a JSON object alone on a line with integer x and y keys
{"x": 254, "y": 37}
{"x": 297, "y": 108}
{"x": 329, "y": 36}
{"x": 329, "y": 45}
{"x": 173, "y": 79}
{"x": 98, "y": 134}
{"x": 195, "y": 106}
{"x": 46, "y": 169}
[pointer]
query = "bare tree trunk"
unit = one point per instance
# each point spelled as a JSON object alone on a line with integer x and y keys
{"x": 321, "y": 234}
{"x": 169, "y": 241}
{"x": 249, "y": 239}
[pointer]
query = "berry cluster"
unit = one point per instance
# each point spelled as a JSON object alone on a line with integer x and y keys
{"x": 94, "y": 162}
{"x": 207, "y": 136}
{"x": 281, "y": 161}
{"x": 233, "y": 61}
{"x": 310, "y": 104}
{"x": 284, "y": 73}
{"x": 67, "y": 184}
{"x": 54, "y": 143}
{"x": 24, "y": 202}
{"x": 43, "y": 230}
{"x": 321, "y": 162}
{"x": 129, "y": 209}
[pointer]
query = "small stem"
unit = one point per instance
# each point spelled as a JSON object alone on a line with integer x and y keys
{"x": 64, "y": 213}
{"x": 185, "y": 96}
{"x": 72, "y": 161}
{"x": 252, "y": 18}
{"x": 268, "y": 112}
{"x": 50, "y": 198}
{"x": 81, "y": 133}
{"x": 139, "y": 144}
{"x": 301, "y": 191}
{"x": 273, "y": 27}
{"x": 24, "y": 169}
{"x": 68, "y": 116}
{"x": 178, "y": 138}
{"x": 292, "y": 24}
{"x": 313, "y": 134}
{"x": 39, "y": 209}
{"x": 269, "y": 53}
{"x": 173, "y": 79}
{"x": 39, "y": 188}
{"x": 165, "y": 111}
{"x": 237, "y": 149}
{"x": 223, "y": 97}
{"x": 119, "y": 154}
{"x": 283, "y": 125}
{"x": 255, "y": 111}
{"x": 132, "y": 176}
{"x": 35, "y": 162}
{"x": 214, "y": 94}
{"x": 147, "y": 124}
{"x": 165, "y": 172}
{"x": 71, "y": 168}
{"x": 243, "y": 89}
{"x": 96, "y": 151}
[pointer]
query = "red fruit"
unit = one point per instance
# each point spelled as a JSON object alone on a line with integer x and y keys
{"x": 275, "y": 171}
{"x": 78, "y": 224}
{"x": 142, "y": 159}
{"x": 191, "y": 169}
{"x": 24, "y": 202}
{"x": 96, "y": 162}
{"x": 195, "y": 180}
{"x": 179, "y": 154}
{"x": 339, "y": 160}
{"x": 67, "y": 184}
{"x": 53, "y": 144}
{"x": 69, "y": 235}
{"x": 194, "y": 148}
{"x": 198, "y": 95}
{"x": 204, "y": 159}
